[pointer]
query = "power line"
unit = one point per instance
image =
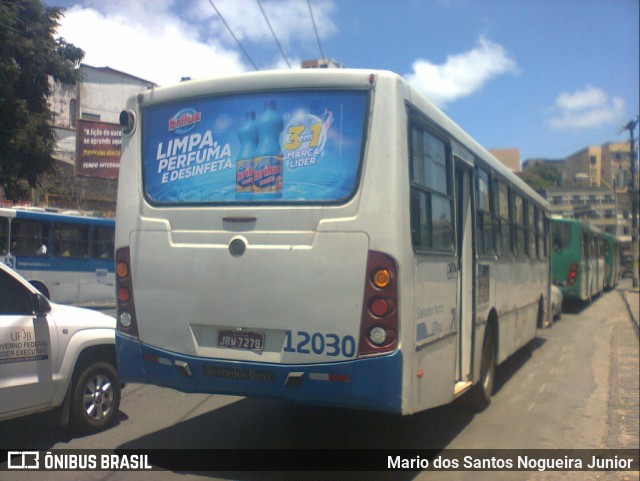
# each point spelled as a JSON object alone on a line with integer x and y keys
{"x": 274, "y": 34}
{"x": 315, "y": 29}
{"x": 234, "y": 37}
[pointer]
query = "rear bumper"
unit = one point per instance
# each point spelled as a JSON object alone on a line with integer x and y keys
{"x": 372, "y": 383}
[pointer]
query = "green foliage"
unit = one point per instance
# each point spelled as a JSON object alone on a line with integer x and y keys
{"x": 542, "y": 176}
{"x": 29, "y": 55}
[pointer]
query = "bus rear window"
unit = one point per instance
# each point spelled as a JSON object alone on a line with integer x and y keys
{"x": 277, "y": 147}
{"x": 561, "y": 235}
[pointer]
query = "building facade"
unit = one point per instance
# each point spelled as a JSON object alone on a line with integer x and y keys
{"x": 596, "y": 205}
{"x": 97, "y": 99}
{"x": 596, "y": 187}
{"x": 509, "y": 157}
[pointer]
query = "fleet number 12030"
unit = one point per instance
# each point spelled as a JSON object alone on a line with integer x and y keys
{"x": 328, "y": 344}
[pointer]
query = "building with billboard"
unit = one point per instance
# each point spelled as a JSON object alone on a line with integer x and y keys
{"x": 87, "y": 154}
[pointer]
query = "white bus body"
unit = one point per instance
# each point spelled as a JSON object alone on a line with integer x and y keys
{"x": 359, "y": 286}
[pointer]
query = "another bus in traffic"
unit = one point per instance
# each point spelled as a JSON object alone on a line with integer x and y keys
{"x": 68, "y": 257}
{"x": 328, "y": 237}
{"x": 578, "y": 258}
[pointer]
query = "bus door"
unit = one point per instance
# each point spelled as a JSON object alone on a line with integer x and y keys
{"x": 466, "y": 268}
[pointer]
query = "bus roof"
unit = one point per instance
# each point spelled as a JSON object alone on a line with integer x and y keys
{"x": 43, "y": 215}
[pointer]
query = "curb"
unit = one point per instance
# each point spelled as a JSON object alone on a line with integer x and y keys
{"x": 632, "y": 314}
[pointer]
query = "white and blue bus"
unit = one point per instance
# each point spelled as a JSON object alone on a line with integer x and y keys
{"x": 68, "y": 257}
{"x": 324, "y": 237}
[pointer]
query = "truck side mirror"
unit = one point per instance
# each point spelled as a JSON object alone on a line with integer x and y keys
{"x": 41, "y": 305}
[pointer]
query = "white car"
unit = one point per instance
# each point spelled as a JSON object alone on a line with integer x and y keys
{"x": 55, "y": 357}
{"x": 556, "y": 302}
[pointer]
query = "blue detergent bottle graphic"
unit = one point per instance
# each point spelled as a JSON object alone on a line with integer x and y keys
{"x": 267, "y": 164}
{"x": 248, "y": 135}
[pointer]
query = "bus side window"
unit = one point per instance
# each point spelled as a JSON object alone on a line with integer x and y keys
{"x": 431, "y": 198}
{"x": 4, "y": 236}
{"x": 72, "y": 240}
{"x": 28, "y": 237}
{"x": 103, "y": 240}
{"x": 531, "y": 230}
{"x": 506, "y": 246}
{"x": 521, "y": 234}
{"x": 484, "y": 215}
{"x": 539, "y": 230}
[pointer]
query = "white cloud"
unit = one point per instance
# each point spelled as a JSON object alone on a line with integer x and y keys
{"x": 462, "y": 74}
{"x": 588, "y": 108}
{"x": 165, "y": 40}
{"x": 149, "y": 43}
{"x": 290, "y": 20}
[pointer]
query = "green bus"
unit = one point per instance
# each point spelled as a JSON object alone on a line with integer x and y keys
{"x": 577, "y": 258}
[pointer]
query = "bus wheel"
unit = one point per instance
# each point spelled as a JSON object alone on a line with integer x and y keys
{"x": 480, "y": 395}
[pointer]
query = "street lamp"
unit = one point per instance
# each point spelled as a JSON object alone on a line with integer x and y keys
{"x": 633, "y": 192}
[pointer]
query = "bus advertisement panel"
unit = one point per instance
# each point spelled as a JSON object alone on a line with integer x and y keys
{"x": 283, "y": 147}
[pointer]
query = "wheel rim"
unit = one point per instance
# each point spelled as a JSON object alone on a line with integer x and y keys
{"x": 98, "y": 397}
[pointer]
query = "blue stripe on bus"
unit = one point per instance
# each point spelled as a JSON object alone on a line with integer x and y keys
{"x": 373, "y": 383}
{"x": 62, "y": 264}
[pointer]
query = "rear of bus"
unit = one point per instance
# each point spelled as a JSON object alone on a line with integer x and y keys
{"x": 567, "y": 264}
{"x": 284, "y": 285}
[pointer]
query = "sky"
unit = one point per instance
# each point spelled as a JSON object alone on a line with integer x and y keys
{"x": 546, "y": 77}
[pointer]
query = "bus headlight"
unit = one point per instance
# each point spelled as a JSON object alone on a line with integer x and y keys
{"x": 125, "y": 319}
{"x": 378, "y": 336}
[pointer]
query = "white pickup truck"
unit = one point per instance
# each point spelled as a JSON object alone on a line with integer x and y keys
{"x": 55, "y": 357}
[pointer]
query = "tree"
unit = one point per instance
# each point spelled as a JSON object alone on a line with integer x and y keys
{"x": 29, "y": 55}
{"x": 542, "y": 176}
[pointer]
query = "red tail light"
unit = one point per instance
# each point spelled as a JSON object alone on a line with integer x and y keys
{"x": 124, "y": 295}
{"x": 573, "y": 274}
{"x": 127, "y": 323}
{"x": 379, "y": 322}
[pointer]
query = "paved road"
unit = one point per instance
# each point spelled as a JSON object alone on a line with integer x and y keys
{"x": 577, "y": 387}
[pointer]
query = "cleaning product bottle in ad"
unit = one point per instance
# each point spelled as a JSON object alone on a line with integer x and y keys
{"x": 267, "y": 164}
{"x": 248, "y": 135}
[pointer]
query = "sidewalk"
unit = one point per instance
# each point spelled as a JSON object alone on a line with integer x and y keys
{"x": 632, "y": 298}
{"x": 624, "y": 409}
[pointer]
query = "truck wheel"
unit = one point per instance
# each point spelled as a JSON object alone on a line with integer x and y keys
{"x": 96, "y": 397}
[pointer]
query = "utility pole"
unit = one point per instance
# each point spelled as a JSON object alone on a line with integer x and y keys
{"x": 633, "y": 192}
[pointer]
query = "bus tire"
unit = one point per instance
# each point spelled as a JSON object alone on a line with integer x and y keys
{"x": 95, "y": 399}
{"x": 542, "y": 321}
{"x": 480, "y": 394}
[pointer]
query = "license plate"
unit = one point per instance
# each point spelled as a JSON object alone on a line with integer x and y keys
{"x": 250, "y": 341}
